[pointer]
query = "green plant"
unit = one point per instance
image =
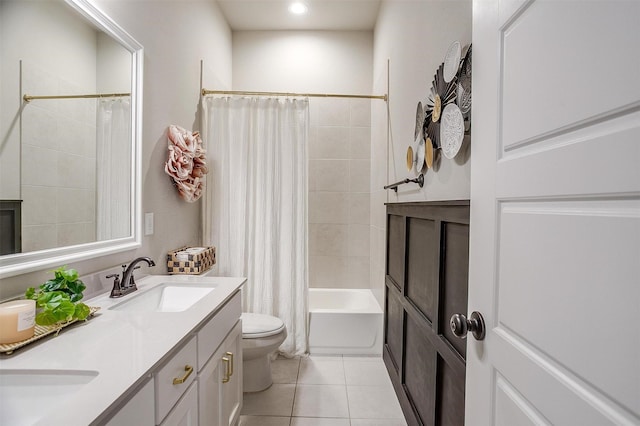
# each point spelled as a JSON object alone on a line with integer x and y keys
{"x": 58, "y": 300}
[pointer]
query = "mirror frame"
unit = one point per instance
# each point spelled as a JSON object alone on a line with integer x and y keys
{"x": 20, "y": 263}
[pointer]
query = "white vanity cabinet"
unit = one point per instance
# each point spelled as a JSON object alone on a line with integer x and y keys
{"x": 220, "y": 382}
{"x": 199, "y": 382}
{"x": 216, "y": 398}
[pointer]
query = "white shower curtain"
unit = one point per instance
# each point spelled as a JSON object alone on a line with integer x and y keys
{"x": 113, "y": 172}
{"x": 255, "y": 209}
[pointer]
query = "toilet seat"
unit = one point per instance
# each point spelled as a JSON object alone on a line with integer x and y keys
{"x": 255, "y": 326}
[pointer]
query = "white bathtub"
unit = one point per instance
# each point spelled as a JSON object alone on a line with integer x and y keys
{"x": 344, "y": 322}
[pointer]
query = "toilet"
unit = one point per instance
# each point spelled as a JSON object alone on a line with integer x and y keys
{"x": 261, "y": 336}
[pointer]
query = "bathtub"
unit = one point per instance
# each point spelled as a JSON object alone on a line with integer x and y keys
{"x": 344, "y": 322}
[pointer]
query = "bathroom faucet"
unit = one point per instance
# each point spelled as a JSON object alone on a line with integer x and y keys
{"x": 128, "y": 284}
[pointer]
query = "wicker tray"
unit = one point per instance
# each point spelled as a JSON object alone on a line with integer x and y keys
{"x": 40, "y": 332}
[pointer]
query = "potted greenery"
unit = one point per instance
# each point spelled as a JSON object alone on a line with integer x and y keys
{"x": 58, "y": 300}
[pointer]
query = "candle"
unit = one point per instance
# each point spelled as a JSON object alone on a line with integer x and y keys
{"x": 17, "y": 320}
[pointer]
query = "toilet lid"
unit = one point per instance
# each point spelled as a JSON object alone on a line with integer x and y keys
{"x": 258, "y": 325}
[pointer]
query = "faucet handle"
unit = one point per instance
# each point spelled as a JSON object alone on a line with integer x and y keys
{"x": 116, "y": 276}
{"x": 116, "y": 284}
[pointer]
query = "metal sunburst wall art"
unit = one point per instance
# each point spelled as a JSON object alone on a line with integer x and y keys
{"x": 463, "y": 98}
{"x": 442, "y": 93}
{"x": 444, "y": 117}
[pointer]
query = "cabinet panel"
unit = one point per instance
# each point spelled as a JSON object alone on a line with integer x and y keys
{"x": 185, "y": 412}
{"x": 454, "y": 287}
{"x": 221, "y": 399}
{"x": 138, "y": 410}
{"x": 232, "y": 390}
{"x": 168, "y": 393}
{"x": 395, "y": 249}
{"x": 422, "y": 267}
{"x": 213, "y": 332}
{"x": 393, "y": 328}
{"x": 425, "y": 361}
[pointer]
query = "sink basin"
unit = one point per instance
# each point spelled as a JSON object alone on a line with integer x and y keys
{"x": 26, "y": 396}
{"x": 166, "y": 297}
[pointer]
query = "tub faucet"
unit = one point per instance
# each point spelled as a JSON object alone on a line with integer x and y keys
{"x": 128, "y": 284}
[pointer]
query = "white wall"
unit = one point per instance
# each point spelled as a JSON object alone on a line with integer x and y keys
{"x": 340, "y": 134}
{"x": 414, "y": 37}
{"x": 303, "y": 61}
{"x": 176, "y": 36}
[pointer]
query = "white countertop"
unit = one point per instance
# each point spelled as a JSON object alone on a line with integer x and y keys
{"x": 123, "y": 347}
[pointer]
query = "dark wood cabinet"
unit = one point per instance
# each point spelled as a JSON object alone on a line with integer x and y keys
{"x": 426, "y": 282}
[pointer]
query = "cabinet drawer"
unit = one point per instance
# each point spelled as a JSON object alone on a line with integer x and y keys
{"x": 177, "y": 367}
{"x": 211, "y": 335}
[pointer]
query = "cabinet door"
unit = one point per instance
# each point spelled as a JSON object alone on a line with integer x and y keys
{"x": 220, "y": 382}
{"x": 185, "y": 413}
{"x": 209, "y": 386}
{"x": 231, "y": 390}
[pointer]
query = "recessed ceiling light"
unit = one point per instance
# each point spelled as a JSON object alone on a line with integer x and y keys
{"x": 298, "y": 8}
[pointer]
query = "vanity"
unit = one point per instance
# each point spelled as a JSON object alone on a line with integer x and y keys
{"x": 167, "y": 354}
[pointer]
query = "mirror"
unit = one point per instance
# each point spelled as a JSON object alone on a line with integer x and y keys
{"x": 70, "y": 124}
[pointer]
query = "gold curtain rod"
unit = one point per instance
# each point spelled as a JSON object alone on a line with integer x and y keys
{"x": 28, "y": 98}
{"x": 206, "y": 92}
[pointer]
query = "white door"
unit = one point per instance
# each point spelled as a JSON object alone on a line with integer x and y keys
{"x": 555, "y": 213}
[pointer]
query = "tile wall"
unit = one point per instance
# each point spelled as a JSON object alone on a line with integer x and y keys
{"x": 339, "y": 192}
{"x": 58, "y": 176}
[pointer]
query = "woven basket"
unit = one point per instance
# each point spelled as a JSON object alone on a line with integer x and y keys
{"x": 193, "y": 264}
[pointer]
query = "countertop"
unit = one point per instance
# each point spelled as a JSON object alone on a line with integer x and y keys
{"x": 123, "y": 347}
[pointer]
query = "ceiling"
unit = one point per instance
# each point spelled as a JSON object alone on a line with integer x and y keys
{"x": 345, "y": 15}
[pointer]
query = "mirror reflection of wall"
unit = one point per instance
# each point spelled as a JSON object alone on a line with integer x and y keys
{"x": 65, "y": 162}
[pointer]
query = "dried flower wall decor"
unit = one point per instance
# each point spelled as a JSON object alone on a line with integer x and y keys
{"x": 186, "y": 163}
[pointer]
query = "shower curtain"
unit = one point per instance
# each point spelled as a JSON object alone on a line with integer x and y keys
{"x": 113, "y": 178}
{"x": 255, "y": 208}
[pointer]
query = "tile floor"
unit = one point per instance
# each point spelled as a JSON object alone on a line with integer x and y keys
{"x": 325, "y": 391}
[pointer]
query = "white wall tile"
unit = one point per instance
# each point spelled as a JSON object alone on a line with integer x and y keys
{"x": 39, "y": 205}
{"x": 359, "y": 208}
{"x": 328, "y": 271}
{"x": 329, "y": 175}
{"x": 358, "y": 274}
{"x": 333, "y": 112}
{"x": 42, "y": 168}
{"x": 359, "y": 175}
{"x": 328, "y": 239}
{"x": 331, "y": 143}
{"x": 75, "y": 233}
{"x": 40, "y": 127}
{"x": 72, "y": 170}
{"x": 360, "y": 143}
{"x": 360, "y": 112}
{"x": 329, "y": 207}
{"x": 39, "y": 237}
{"x": 76, "y": 205}
{"x": 359, "y": 240}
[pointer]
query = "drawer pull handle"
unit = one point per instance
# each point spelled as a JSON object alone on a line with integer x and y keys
{"x": 230, "y": 355}
{"x": 188, "y": 369}
{"x": 227, "y": 364}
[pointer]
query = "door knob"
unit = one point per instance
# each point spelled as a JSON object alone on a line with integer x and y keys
{"x": 460, "y": 325}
